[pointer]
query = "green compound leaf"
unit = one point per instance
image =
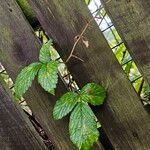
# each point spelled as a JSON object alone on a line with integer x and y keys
{"x": 83, "y": 127}
{"x": 48, "y": 77}
{"x": 45, "y": 54}
{"x": 24, "y": 79}
{"x": 93, "y": 93}
{"x": 63, "y": 106}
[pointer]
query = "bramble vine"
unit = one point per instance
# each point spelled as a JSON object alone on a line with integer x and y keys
{"x": 82, "y": 125}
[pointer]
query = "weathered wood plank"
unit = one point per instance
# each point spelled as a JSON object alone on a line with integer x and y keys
{"x": 16, "y": 131}
{"x": 19, "y": 47}
{"x": 132, "y": 21}
{"x": 123, "y": 117}
{"x": 26, "y": 8}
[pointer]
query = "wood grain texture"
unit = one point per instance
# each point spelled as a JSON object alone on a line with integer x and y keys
{"x": 123, "y": 117}
{"x": 16, "y": 131}
{"x": 19, "y": 47}
{"x": 132, "y": 20}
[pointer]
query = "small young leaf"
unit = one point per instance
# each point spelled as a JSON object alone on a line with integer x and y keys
{"x": 83, "y": 127}
{"x": 87, "y": 2}
{"x": 64, "y": 105}
{"x": 93, "y": 93}
{"x": 45, "y": 54}
{"x": 24, "y": 79}
{"x": 48, "y": 77}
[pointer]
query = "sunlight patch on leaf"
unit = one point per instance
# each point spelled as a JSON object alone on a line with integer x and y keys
{"x": 93, "y": 93}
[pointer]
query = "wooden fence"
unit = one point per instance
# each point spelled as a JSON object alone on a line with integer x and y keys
{"x": 124, "y": 119}
{"x": 16, "y": 132}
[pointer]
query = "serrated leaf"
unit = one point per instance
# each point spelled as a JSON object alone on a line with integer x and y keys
{"x": 24, "y": 79}
{"x": 65, "y": 105}
{"x": 83, "y": 127}
{"x": 93, "y": 93}
{"x": 45, "y": 54}
{"x": 48, "y": 77}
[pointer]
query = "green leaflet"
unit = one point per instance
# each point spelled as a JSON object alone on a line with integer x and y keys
{"x": 87, "y": 2}
{"x": 24, "y": 79}
{"x": 64, "y": 105}
{"x": 45, "y": 54}
{"x": 128, "y": 67}
{"x": 83, "y": 127}
{"x": 48, "y": 77}
{"x": 92, "y": 93}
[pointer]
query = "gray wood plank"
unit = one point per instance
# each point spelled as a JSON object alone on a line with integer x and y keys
{"x": 132, "y": 21}
{"x": 123, "y": 117}
{"x": 16, "y": 131}
{"x": 19, "y": 47}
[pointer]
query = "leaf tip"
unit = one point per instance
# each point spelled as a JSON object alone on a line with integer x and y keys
{"x": 52, "y": 92}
